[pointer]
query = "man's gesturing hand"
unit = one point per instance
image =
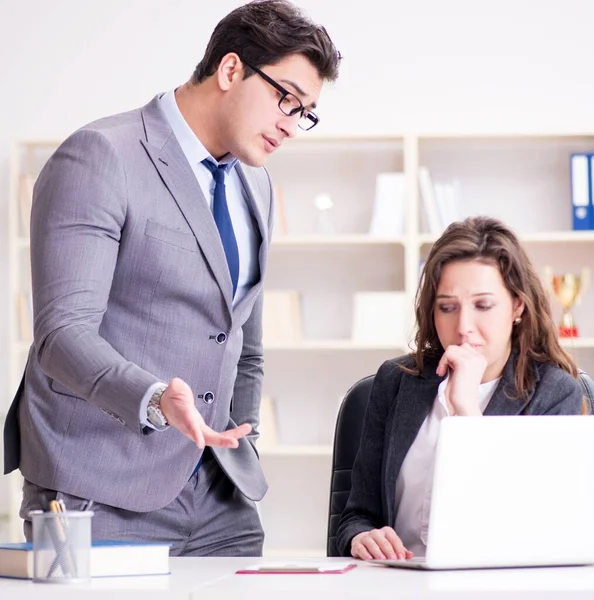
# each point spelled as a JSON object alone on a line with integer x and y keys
{"x": 177, "y": 405}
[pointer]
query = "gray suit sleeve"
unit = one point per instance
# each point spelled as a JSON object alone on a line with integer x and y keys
{"x": 79, "y": 210}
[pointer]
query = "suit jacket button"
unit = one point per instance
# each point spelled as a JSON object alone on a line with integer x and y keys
{"x": 208, "y": 398}
{"x": 221, "y": 338}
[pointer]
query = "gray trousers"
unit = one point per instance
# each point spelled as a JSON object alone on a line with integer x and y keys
{"x": 210, "y": 517}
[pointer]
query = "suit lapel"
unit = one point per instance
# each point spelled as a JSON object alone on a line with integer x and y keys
{"x": 505, "y": 399}
{"x": 177, "y": 175}
{"x": 255, "y": 196}
{"x": 250, "y": 184}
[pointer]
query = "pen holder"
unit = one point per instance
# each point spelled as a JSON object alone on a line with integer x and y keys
{"x": 61, "y": 546}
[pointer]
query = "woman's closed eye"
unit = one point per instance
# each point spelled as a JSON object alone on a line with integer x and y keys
{"x": 450, "y": 308}
{"x": 446, "y": 308}
{"x": 483, "y": 306}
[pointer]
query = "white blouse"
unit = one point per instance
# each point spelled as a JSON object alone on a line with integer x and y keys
{"x": 415, "y": 480}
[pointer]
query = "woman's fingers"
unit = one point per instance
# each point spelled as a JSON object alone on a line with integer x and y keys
{"x": 379, "y": 544}
{"x": 442, "y": 367}
{"x": 396, "y": 543}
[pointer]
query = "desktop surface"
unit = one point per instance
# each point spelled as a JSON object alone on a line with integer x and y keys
{"x": 215, "y": 579}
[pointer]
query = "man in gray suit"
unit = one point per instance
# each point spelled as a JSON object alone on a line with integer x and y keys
{"x": 149, "y": 237}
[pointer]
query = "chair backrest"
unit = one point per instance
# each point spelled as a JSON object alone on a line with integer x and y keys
{"x": 346, "y": 444}
{"x": 588, "y": 386}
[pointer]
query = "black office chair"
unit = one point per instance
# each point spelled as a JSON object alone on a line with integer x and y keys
{"x": 346, "y": 443}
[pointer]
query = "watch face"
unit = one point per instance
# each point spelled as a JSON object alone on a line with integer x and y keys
{"x": 156, "y": 417}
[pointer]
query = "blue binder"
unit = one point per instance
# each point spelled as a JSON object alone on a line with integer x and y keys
{"x": 581, "y": 191}
{"x": 591, "y": 191}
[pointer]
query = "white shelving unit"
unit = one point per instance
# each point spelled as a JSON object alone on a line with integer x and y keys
{"x": 521, "y": 178}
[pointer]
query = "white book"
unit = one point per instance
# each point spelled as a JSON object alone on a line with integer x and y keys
{"x": 448, "y": 201}
{"x": 109, "y": 558}
{"x": 429, "y": 201}
{"x": 389, "y": 208}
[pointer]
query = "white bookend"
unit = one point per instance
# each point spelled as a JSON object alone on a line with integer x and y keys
{"x": 25, "y": 202}
{"x": 268, "y": 427}
{"x": 25, "y": 315}
{"x": 389, "y": 208}
{"x": 381, "y": 317}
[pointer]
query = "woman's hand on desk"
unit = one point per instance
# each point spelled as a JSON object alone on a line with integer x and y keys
{"x": 466, "y": 366}
{"x": 379, "y": 544}
{"x": 177, "y": 405}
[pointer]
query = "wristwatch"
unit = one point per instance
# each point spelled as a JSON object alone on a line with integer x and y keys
{"x": 154, "y": 413}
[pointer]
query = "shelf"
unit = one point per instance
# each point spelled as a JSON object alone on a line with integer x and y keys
{"x": 354, "y": 239}
{"x": 579, "y": 342}
{"x": 540, "y": 237}
{"x": 44, "y": 143}
{"x": 347, "y": 345}
{"x": 518, "y": 134}
{"x": 558, "y": 237}
{"x": 305, "y": 450}
{"x": 325, "y": 345}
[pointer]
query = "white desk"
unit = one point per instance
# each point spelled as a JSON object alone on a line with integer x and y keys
{"x": 380, "y": 583}
{"x": 215, "y": 579}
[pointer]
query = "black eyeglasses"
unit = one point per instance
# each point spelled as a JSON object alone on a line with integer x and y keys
{"x": 289, "y": 104}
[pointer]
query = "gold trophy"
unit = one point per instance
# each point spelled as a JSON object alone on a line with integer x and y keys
{"x": 567, "y": 289}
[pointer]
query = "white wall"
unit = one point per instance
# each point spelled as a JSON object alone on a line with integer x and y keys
{"x": 431, "y": 65}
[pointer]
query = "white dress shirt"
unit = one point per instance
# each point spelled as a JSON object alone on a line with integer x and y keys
{"x": 415, "y": 480}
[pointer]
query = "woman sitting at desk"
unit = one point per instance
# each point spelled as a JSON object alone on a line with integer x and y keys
{"x": 486, "y": 344}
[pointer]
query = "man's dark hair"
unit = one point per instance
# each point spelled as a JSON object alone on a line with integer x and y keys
{"x": 263, "y": 32}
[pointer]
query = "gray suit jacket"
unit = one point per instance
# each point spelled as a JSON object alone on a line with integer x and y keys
{"x": 131, "y": 286}
{"x": 398, "y": 405}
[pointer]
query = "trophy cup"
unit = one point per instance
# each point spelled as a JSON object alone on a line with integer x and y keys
{"x": 567, "y": 289}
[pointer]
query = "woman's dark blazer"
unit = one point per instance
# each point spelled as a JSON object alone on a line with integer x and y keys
{"x": 398, "y": 405}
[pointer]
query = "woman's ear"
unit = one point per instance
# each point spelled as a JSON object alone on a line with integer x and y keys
{"x": 518, "y": 308}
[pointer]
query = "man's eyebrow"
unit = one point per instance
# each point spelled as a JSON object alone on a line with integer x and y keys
{"x": 297, "y": 89}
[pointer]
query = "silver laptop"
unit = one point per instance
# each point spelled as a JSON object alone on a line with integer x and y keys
{"x": 511, "y": 492}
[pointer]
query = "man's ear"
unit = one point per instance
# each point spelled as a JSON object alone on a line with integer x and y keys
{"x": 229, "y": 71}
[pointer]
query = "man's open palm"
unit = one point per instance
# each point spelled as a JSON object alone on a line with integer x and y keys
{"x": 177, "y": 405}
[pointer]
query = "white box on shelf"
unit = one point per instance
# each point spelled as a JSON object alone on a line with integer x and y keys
{"x": 381, "y": 317}
{"x": 282, "y": 317}
{"x": 389, "y": 209}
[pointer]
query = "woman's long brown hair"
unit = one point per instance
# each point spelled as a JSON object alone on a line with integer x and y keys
{"x": 490, "y": 241}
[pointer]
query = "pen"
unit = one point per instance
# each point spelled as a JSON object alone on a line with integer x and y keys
{"x": 62, "y": 545}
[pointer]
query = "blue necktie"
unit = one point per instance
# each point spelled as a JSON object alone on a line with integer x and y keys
{"x": 222, "y": 218}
